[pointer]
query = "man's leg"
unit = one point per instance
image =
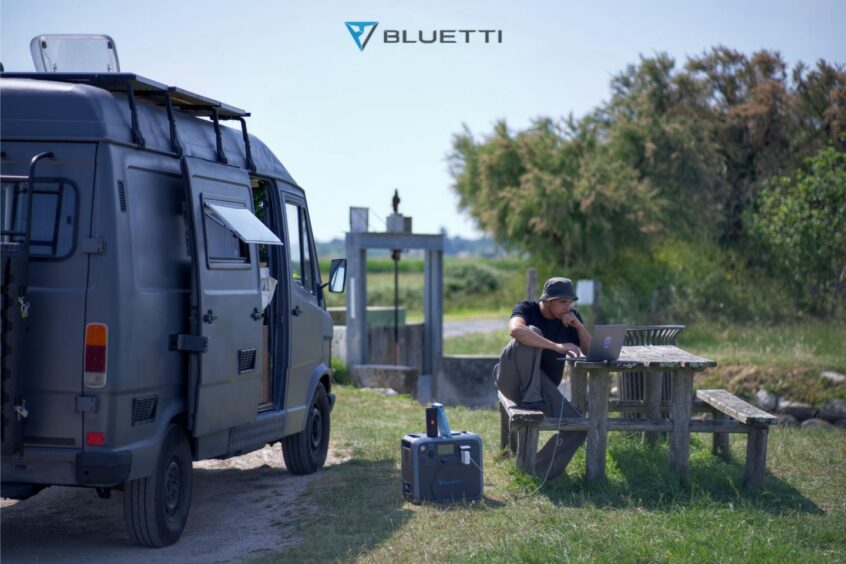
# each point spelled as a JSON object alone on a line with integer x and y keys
{"x": 556, "y": 406}
{"x": 518, "y": 374}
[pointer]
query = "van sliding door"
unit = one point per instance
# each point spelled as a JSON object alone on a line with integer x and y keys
{"x": 227, "y": 294}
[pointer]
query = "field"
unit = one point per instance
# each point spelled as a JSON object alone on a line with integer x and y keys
{"x": 639, "y": 514}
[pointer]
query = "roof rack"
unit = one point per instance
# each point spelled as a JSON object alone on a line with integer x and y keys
{"x": 136, "y": 86}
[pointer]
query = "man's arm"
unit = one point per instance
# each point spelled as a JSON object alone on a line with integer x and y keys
{"x": 571, "y": 320}
{"x": 524, "y": 335}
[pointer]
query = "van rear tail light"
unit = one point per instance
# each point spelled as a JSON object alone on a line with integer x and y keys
{"x": 95, "y": 439}
{"x": 96, "y": 354}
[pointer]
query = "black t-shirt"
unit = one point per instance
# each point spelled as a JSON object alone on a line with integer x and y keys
{"x": 553, "y": 330}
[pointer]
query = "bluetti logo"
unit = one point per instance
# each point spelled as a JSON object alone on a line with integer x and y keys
{"x": 365, "y": 30}
{"x": 357, "y": 29}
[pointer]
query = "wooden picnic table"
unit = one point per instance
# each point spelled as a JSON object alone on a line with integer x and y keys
{"x": 590, "y": 386}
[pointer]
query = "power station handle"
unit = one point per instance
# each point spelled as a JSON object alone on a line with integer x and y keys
{"x": 297, "y": 311}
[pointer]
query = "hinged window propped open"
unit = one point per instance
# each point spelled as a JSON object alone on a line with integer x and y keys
{"x": 242, "y": 222}
{"x": 74, "y": 53}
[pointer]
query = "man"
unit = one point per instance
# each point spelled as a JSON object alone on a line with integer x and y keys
{"x": 530, "y": 368}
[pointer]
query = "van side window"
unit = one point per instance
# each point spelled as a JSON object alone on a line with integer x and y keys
{"x": 300, "y": 246}
{"x": 222, "y": 244}
{"x": 54, "y": 212}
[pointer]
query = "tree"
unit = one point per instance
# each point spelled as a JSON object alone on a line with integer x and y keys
{"x": 674, "y": 152}
{"x": 799, "y": 224}
{"x": 553, "y": 191}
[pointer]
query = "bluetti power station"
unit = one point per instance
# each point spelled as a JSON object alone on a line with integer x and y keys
{"x": 441, "y": 465}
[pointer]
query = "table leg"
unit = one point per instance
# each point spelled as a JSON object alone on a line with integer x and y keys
{"x": 652, "y": 399}
{"x": 597, "y": 432}
{"x": 680, "y": 435}
{"x": 578, "y": 389}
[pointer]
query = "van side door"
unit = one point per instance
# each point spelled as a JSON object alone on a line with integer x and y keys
{"x": 228, "y": 297}
{"x": 306, "y": 320}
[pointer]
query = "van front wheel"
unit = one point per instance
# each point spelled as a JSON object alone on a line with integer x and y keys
{"x": 156, "y": 507}
{"x": 306, "y": 451}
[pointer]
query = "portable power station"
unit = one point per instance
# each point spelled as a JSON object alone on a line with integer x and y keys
{"x": 442, "y": 468}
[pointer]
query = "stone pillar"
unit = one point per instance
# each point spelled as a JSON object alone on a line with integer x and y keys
{"x": 433, "y": 315}
{"x": 356, "y": 302}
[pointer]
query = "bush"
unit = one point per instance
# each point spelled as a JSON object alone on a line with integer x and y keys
{"x": 469, "y": 279}
{"x": 340, "y": 372}
{"x": 689, "y": 281}
{"x": 799, "y": 228}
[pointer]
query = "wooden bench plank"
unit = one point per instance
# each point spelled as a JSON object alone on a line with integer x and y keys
{"x": 733, "y": 406}
{"x": 517, "y": 415}
{"x": 645, "y": 425}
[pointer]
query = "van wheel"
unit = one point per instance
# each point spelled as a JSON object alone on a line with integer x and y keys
{"x": 156, "y": 507}
{"x": 306, "y": 451}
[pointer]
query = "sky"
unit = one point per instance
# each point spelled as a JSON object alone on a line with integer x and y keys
{"x": 352, "y": 125}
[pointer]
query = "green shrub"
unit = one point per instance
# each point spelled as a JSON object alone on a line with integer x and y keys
{"x": 688, "y": 281}
{"x": 340, "y": 372}
{"x": 469, "y": 279}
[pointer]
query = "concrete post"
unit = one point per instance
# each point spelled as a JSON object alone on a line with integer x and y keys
{"x": 356, "y": 302}
{"x": 433, "y": 315}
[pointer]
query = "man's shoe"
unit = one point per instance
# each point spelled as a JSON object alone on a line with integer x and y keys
{"x": 531, "y": 405}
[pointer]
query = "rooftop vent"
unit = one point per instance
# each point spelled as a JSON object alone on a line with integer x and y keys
{"x": 74, "y": 53}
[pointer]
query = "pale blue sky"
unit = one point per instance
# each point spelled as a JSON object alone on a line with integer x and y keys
{"x": 351, "y": 126}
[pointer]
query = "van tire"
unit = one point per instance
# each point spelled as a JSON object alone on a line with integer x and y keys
{"x": 156, "y": 507}
{"x": 306, "y": 451}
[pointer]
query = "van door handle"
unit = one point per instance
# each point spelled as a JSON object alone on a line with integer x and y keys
{"x": 257, "y": 314}
{"x": 297, "y": 311}
{"x": 209, "y": 317}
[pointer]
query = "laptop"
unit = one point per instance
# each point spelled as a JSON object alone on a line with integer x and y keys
{"x": 606, "y": 343}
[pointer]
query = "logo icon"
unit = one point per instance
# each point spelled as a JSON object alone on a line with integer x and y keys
{"x": 607, "y": 342}
{"x": 357, "y": 29}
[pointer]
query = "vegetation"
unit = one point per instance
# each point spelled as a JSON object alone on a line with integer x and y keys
{"x": 690, "y": 182}
{"x": 799, "y": 227}
{"x": 639, "y": 514}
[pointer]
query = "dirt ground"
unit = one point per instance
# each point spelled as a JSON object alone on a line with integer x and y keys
{"x": 242, "y": 508}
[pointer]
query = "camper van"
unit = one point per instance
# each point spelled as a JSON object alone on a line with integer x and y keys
{"x": 161, "y": 297}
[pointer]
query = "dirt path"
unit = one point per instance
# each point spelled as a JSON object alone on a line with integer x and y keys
{"x": 241, "y": 508}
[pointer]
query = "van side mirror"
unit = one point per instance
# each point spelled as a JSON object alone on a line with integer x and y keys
{"x": 337, "y": 275}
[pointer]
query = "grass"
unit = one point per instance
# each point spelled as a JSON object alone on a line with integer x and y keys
{"x": 639, "y": 514}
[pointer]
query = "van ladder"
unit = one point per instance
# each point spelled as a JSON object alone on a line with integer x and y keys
{"x": 14, "y": 250}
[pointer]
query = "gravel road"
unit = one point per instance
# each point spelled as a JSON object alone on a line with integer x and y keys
{"x": 241, "y": 508}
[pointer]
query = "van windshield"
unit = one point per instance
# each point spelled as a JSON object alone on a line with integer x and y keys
{"x": 54, "y": 217}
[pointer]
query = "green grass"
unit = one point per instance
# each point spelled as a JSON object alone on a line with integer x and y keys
{"x": 639, "y": 514}
{"x": 810, "y": 344}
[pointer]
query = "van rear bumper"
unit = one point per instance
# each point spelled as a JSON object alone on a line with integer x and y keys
{"x": 103, "y": 468}
{"x": 68, "y": 467}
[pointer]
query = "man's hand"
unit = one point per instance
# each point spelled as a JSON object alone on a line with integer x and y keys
{"x": 570, "y": 320}
{"x": 567, "y": 349}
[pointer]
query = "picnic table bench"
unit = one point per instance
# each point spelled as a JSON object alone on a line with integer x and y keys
{"x": 590, "y": 383}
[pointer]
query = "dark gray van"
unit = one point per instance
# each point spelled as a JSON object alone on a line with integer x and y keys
{"x": 161, "y": 298}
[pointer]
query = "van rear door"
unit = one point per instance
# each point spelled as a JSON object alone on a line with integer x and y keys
{"x": 228, "y": 295}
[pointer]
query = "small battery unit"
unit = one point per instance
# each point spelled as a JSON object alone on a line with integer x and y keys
{"x": 442, "y": 468}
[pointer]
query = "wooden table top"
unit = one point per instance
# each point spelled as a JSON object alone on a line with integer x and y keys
{"x": 649, "y": 357}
